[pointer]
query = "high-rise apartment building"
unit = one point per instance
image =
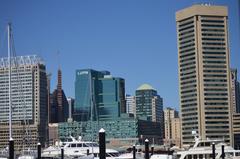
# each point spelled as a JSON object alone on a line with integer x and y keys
{"x": 176, "y": 132}
{"x": 170, "y": 124}
{"x": 204, "y": 77}
{"x": 29, "y": 101}
{"x": 130, "y": 104}
{"x": 98, "y": 95}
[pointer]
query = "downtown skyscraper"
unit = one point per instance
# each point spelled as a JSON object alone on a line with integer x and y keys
{"x": 149, "y": 105}
{"x": 98, "y": 96}
{"x": 204, "y": 77}
{"x": 29, "y": 101}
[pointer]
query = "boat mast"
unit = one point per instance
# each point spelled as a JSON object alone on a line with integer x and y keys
{"x": 9, "y": 91}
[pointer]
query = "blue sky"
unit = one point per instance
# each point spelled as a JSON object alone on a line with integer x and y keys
{"x": 133, "y": 39}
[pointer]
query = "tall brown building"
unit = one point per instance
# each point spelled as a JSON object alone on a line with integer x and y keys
{"x": 204, "y": 77}
{"x": 172, "y": 127}
{"x": 59, "y": 104}
{"x": 169, "y": 114}
{"x": 176, "y": 131}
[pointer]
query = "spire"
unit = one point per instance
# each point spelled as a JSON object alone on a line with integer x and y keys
{"x": 59, "y": 84}
{"x": 58, "y": 59}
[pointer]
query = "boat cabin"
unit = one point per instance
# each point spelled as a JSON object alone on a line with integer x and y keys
{"x": 80, "y": 145}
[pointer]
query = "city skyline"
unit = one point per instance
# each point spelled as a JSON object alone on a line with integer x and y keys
{"x": 135, "y": 40}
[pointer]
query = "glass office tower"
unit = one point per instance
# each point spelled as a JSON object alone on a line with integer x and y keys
{"x": 110, "y": 97}
{"x": 149, "y": 104}
{"x": 98, "y": 95}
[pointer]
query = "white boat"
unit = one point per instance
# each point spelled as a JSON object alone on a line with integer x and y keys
{"x": 139, "y": 155}
{"x": 78, "y": 149}
{"x": 28, "y": 154}
{"x": 161, "y": 156}
{"x": 202, "y": 149}
{"x": 4, "y": 153}
{"x": 26, "y": 157}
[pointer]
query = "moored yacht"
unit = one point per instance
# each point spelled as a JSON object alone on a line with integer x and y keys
{"x": 77, "y": 149}
{"x": 28, "y": 154}
{"x": 4, "y": 153}
{"x": 139, "y": 155}
{"x": 202, "y": 149}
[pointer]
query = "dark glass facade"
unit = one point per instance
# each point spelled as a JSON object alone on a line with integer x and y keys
{"x": 145, "y": 105}
{"x": 111, "y": 99}
{"x": 98, "y": 95}
{"x": 238, "y": 97}
{"x": 59, "y": 107}
{"x": 84, "y": 83}
{"x": 237, "y": 141}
